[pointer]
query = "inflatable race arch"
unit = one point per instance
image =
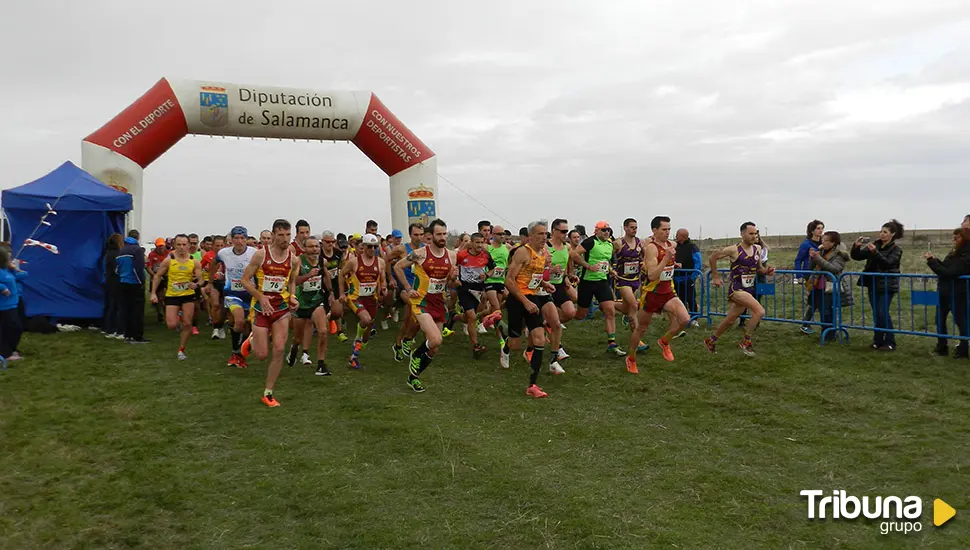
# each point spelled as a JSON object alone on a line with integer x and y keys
{"x": 118, "y": 152}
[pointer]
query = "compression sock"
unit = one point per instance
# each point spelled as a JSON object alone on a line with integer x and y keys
{"x": 236, "y": 340}
{"x": 419, "y": 361}
{"x": 535, "y": 363}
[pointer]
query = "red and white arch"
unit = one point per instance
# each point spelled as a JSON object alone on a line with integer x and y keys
{"x": 118, "y": 152}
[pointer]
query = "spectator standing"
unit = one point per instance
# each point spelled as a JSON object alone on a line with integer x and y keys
{"x": 954, "y": 292}
{"x": 131, "y": 278}
{"x": 689, "y": 257}
{"x": 882, "y": 257}
{"x": 111, "y": 320}
{"x": 11, "y": 328}
{"x": 830, "y": 258}
{"x": 813, "y": 240}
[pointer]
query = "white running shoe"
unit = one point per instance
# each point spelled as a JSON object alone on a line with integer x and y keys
{"x": 562, "y": 326}
{"x": 503, "y": 359}
{"x": 396, "y": 315}
{"x": 215, "y": 334}
{"x": 384, "y": 324}
{"x": 222, "y": 333}
{"x": 182, "y": 356}
{"x": 306, "y": 359}
{"x": 464, "y": 330}
{"x": 561, "y": 354}
{"x": 694, "y": 323}
{"x": 482, "y": 329}
{"x": 556, "y": 368}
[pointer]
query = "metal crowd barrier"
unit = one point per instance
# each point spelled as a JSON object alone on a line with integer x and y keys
{"x": 691, "y": 288}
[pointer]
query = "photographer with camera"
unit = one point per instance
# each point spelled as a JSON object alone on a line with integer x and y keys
{"x": 881, "y": 256}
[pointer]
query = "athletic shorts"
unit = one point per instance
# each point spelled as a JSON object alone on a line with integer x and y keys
{"x": 178, "y": 301}
{"x": 266, "y": 321}
{"x": 750, "y": 290}
{"x": 635, "y": 285}
{"x": 307, "y": 312}
{"x": 365, "y": 303}
{"x": 433, "y": 305}
{"x": 469, "y": 299}
{"x": 519, "y": 316}
{"x": 234, "y": 302}
{"x": 602, "y": 290}
{"x": 561, "y": 295}
{"x": 651, "y": 302}
{"x": 497, "y": 287}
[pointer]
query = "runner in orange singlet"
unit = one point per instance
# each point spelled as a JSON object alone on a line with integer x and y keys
{"x": 274, "y": 268}
{"x": 530, "y": 301}
{"x": 658, "y": 294}
{"x": 435, "y": 267}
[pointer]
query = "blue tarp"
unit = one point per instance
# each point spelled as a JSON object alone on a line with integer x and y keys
{"x": 68, "y": 284}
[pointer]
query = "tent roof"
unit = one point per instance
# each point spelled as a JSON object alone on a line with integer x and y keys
{"x": 72, "y": 188}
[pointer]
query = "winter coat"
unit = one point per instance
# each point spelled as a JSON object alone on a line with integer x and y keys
{"x": 949, "y": 270}
{"x": 885, "y": 259}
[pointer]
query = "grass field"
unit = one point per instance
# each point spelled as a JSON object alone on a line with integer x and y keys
{"x": 108, "y": 445}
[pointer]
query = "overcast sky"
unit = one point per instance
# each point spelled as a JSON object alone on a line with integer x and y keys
{"x": 849, "y": 111}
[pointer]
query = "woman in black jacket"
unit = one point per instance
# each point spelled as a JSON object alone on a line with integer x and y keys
{"x": 112, "y": 305}
{"x": 881, "y": 256}
{"x": 953, "y": 291}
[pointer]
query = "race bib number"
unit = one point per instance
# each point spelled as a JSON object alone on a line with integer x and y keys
{"x": 604, "y": 266}
{"x": 556, "y": 279}
{"x": 313, "y": 284}
{"x": 667, "y": 274}
{"x": 631, "y": 268}
{"x": 236, "y": 285}
{"x": 334, "y": 272}
{"x": 536, "y": 281}
{"x": 747, "y": 281}
{"x": 436, "y": 286}
{"x": 477, "y": 294}
{"x": 367, "y": 289}
{"x": 273, "y": 283}
{"x": 499, "y": 273}
{"x": 180, "y": 286}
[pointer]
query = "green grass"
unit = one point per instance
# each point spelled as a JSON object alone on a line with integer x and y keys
{"x": 113, "y": 446}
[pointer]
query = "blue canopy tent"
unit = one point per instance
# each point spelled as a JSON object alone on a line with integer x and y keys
{"x": 68, "y": 284}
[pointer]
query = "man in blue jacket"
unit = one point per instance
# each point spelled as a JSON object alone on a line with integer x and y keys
{"x": 131, "y": 275}
{"x": 803, "y": 262}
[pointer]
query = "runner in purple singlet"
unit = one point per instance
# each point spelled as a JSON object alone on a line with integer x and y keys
{"x": 745, "y": 267}
{"x": 627, "y": 260}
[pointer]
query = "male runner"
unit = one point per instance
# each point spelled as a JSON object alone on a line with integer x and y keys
{"x": 402, "y": 347}
{"x": 627, "y": 260}
{"x": 485, "y": 228}
{"x": 275, "y": 269}
{"x": 313, "y": 292}
{"x": 251, "y": 241}
{"x": 214, "y": 290}
{"x": 331, "y": 256}
{"x": 526, "y": 306}
{"x": 745, "y": 267}
{"x": 302, "y": 232}
{"x": 362, "y": 286}
{"x": 562, "y": 296}
{"x": 184, "y": 276}
{"x": 265, "y": 238}
{"x": 155, "y": 259}
{"x": 473, "y": 268}
{"x": 594, "y": 256}
{"x": 495, "y": 291}
{"x": 233, "y": 261}
{"x": 393, "y": 241}
{"x": 659, "y": 261}
{"x": 434, "y": 269}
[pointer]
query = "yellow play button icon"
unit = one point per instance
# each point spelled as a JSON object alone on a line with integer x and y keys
{"x": 942, "y": 512}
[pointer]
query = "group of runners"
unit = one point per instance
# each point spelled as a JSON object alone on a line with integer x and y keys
{"x": 548, "y": 277}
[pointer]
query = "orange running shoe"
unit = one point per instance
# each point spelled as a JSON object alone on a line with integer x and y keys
{"x": 665, "y": 349}
{"x": 241, "y": 362}
{"x": 489, "y": 320}
{"x": 535, "y": 391}
{"x": 270, "y": 401}
{"x": 233, "y": 361}
{"x": 631, "y": 365}
{"x": 247, "y": 346}
{"x": 527, "y": 355}
{"x": 195, "y": 331}
{"x": 333, "y": 327}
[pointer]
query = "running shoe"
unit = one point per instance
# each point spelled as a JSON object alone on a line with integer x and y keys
{"x": 665, "y": 350}
{"x": 322, "y": 370}
{"x": 182, "y": 356}
{"x": 481, "y": 329}
{"x": 306, "y": 359}
{"x": 489, "y": 321}
{"x": 354, "y": 363}
{"x": 233, "y": 361}
{"x": 341, "y": 337}
{"x": 503, "y": 359}
{"x": 291, "y": 356}
{"x": 561, "y": 354}
{"x": 631, "y": 365}
{"x": 527, "y": 355}
{"x": 478, "y": 351}
{"x": 446, "y": 332}
{"x": 416, "y": 385}
{"x": 247, "y": 346}
{"x": 270, "y": 401}
{"x": 807, "y": 329}
{"x": 556, "y": 368}
{"x": 398, "y": 353}
{"x": 535, "y": 391}
{"x": 241, "y": 362}
{"x": 614, "y": 349}
{"x": 711, "y": 344}
{"x": 681, "y": 334}
{"x": 746, "y": 347}
{"x": 384, "y": 325}
{"x": 333, "y": 327}
{"x": 643, "y": 347}
{"x": 215, "y": 334}
{"x": 195, "y": 331}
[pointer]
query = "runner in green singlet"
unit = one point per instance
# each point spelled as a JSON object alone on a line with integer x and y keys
{"x": 495, "y": 291}
{"x": 595, "y": 255}
{"x": 313, "y": 293}
{"x": 559, "y": 253}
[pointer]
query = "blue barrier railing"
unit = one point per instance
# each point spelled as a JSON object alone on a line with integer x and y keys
{"x": 691, "y": 287}
{"x": 785, "y": 302}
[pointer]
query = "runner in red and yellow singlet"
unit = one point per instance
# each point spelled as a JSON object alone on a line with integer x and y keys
{"x": 435, "y": 268}
{"x": 362, "y": 286}
{"x": 658, "y": 293}
{"x": 274, "y": 269}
